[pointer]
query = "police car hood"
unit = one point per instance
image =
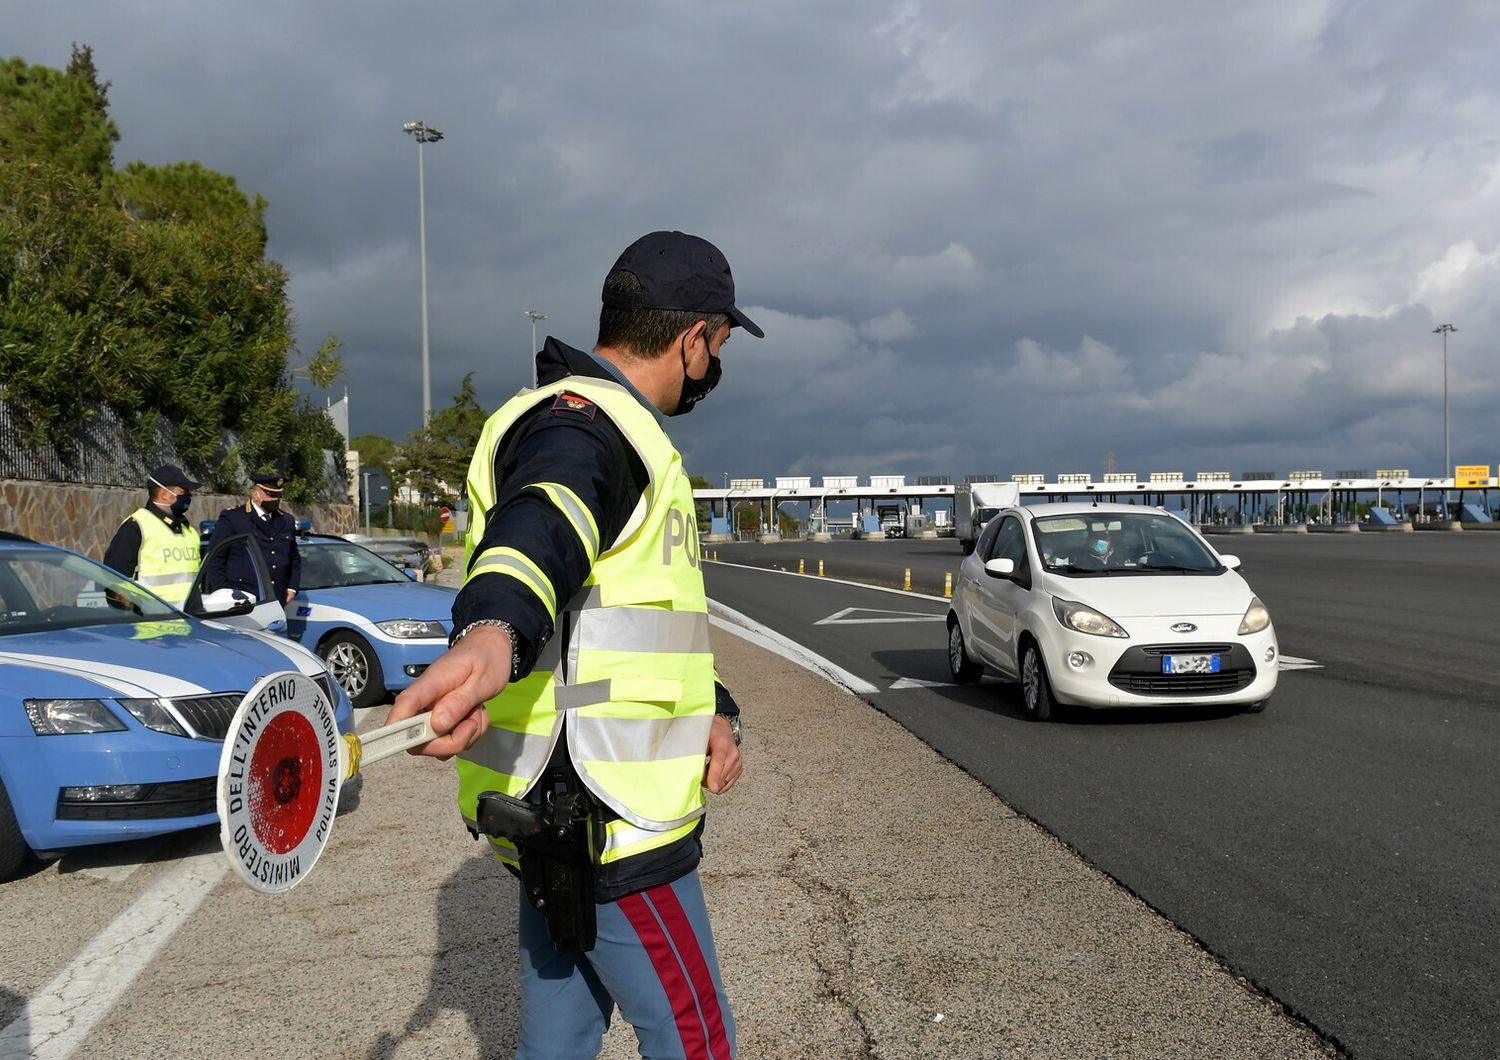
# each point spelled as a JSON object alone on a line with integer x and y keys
{"x": 385, "y": 601}
{"x": 178, "y": 657}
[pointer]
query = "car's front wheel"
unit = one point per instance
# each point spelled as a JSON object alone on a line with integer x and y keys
{"x": 354, "y": 665}
{"x": 12, "y": 845}
{"x": 965, "y": 670}
{"x": 1036, "y": 690}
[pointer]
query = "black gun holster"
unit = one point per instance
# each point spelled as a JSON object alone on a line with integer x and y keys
{"x": 558, "y": 855}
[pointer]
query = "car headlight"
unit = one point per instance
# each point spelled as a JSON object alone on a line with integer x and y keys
{"x": 411, "y": 627}
{"x": 153, "y": 714}
{"x": 64, "y": 717}
{"x": 1256, "y": 617}
{"x": 1085, "y": 619}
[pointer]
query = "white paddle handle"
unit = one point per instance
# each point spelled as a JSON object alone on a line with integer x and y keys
{"x": 388, "y": 740}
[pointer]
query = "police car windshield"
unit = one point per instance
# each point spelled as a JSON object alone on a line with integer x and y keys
{"x": 48, "y": 589}
{"x": 337, "y": 565}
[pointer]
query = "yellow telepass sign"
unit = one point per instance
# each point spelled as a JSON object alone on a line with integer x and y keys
{"x": 1471, "y": 476}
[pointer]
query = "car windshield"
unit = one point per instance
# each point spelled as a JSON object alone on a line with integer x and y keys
{"x": 1104, "y": 543}
{"x": 49, "y": 589}
{"x": 337, "y": 565}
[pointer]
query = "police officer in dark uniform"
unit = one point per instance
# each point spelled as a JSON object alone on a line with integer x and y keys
{"x": 274, "y": 530}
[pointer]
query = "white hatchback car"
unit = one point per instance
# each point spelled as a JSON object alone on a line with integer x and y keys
{"x": 1109, "y": 606}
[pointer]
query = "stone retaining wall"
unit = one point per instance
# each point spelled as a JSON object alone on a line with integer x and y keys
{"x": 84, "y": 518}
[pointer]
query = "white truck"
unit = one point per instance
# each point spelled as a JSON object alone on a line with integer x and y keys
{"x": 975, "y": 503}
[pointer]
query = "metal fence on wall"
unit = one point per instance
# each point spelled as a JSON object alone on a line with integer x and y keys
{"x": 105, "y": 453}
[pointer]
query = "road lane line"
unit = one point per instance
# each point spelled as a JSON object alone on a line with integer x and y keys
{"x": 841, "y": 618}
{"x": 57, "y": 1019}
{"x": 833, "y": 581}
{"x": 748, "y": 629}
{"x": 1291, "y": 662}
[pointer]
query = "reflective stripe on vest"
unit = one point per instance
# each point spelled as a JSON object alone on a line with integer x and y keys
{"x": 629, "y": 675}
{"x": 168, "y": 561}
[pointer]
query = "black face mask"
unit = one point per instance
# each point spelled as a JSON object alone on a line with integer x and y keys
{"x": 270, "y": 507}
{"x": 180, "y": 504}
{"x": 695, "y": 390}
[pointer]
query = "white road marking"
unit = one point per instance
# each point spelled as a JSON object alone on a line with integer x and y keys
{"x": 917, "y": 682}
{"x": 836, "y": 581}
{"x": 57, "y": 1019}
{"x": 748, "y": 629}
{"x": 1291, "y": 662}
{"x": 841, "y": 618}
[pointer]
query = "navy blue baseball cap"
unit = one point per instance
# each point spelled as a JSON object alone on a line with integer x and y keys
{"x": 171, "y": 476}
{"x": 682, "y": 272}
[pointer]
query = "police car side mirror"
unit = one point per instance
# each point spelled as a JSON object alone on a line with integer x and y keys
{"x": 225, "y": 603}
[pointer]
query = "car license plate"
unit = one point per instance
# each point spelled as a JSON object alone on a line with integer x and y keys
{"x": 1190, "y": 664}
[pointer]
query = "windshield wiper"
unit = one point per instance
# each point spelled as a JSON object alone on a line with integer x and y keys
{"x": 1175, "y": 567}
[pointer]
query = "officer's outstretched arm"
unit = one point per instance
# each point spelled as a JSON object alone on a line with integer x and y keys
{"x": 455, "y": 689}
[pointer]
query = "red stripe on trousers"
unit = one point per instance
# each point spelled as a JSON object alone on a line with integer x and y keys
{"x": 679, "y": 994}
{"x": 681, "y": 928}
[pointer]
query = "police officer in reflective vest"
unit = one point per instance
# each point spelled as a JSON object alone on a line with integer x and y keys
{"x": 579, "y": 683}
{"x": 272, "y": 529}
{"x": 155, "y": 545}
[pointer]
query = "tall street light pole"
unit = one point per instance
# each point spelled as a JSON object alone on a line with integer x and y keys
{"x": 535, "y": 316}
{"x": 1444, "y": 329}
{"x": 424, "y": 134}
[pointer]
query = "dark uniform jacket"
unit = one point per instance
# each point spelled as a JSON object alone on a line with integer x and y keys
{"x": 585, "y": 452}
{"x": 276, "y": 534}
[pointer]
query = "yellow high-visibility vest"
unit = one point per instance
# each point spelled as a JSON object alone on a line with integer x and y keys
{"x": 168, "y": 561}
{"x": 628, "y": 674}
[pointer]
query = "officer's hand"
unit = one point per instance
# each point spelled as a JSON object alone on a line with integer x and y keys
{"x": 724, "y": 763}
{"x": 455, "y": 688}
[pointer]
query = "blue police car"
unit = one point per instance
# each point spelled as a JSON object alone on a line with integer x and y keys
{"x": 377, "y": 628}
{"x": 113, "y": 704}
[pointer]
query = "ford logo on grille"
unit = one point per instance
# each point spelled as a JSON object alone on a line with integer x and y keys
{"x": 1184, "y": 627}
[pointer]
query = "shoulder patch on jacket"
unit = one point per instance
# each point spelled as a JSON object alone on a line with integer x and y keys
{"x": 573, "y": 403}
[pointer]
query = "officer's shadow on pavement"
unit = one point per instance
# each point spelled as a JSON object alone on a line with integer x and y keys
{"x": 12, "y": 1006}
{"x": 475, "y": 967}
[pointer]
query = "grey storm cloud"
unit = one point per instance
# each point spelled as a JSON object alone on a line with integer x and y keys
{"x": 981, "y": 237}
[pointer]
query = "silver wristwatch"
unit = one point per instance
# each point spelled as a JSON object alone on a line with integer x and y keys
{"x": 734, "y": 725}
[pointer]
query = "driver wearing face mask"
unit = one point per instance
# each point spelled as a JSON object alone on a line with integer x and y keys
{"x": 1099, "y": 551}
{"x": 272, "y": 530}
{"x": 155, "y": 545}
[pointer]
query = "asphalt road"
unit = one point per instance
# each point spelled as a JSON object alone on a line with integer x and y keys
{"x": 1338, "y": 850}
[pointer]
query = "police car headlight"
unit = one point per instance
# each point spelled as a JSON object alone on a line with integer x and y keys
{"x": 153, "y": 714}
{"x": 410, "y": 627}
{"x": 63, "y": 717}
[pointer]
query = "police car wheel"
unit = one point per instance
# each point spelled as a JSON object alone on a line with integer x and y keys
{"x": 12, "y": 845}
{"x": 353, "y": 664}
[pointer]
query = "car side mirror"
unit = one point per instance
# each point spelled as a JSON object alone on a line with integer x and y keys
{"x": 1232, "y": 562}
{"x": 225, "y": 603}
{"x": 1000, "y": 568}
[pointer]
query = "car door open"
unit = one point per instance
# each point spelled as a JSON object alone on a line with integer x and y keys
{"x": 236, "y": 601}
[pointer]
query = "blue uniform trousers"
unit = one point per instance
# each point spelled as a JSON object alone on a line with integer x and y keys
{"x": 654, "y": 958}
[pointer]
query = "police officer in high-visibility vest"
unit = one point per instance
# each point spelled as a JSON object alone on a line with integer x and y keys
{"x": 579, "y": 685}
{"x": 155, "y": 545}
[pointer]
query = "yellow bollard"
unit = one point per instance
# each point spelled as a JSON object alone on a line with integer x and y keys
{"x": 948, "y": 585}
{"x": 801, "y": 567}
{"x": 820, "y": 568}
{"x": 906, "y": 580}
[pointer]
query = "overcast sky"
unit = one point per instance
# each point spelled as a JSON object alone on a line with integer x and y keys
{"x": 980, "y": 236}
